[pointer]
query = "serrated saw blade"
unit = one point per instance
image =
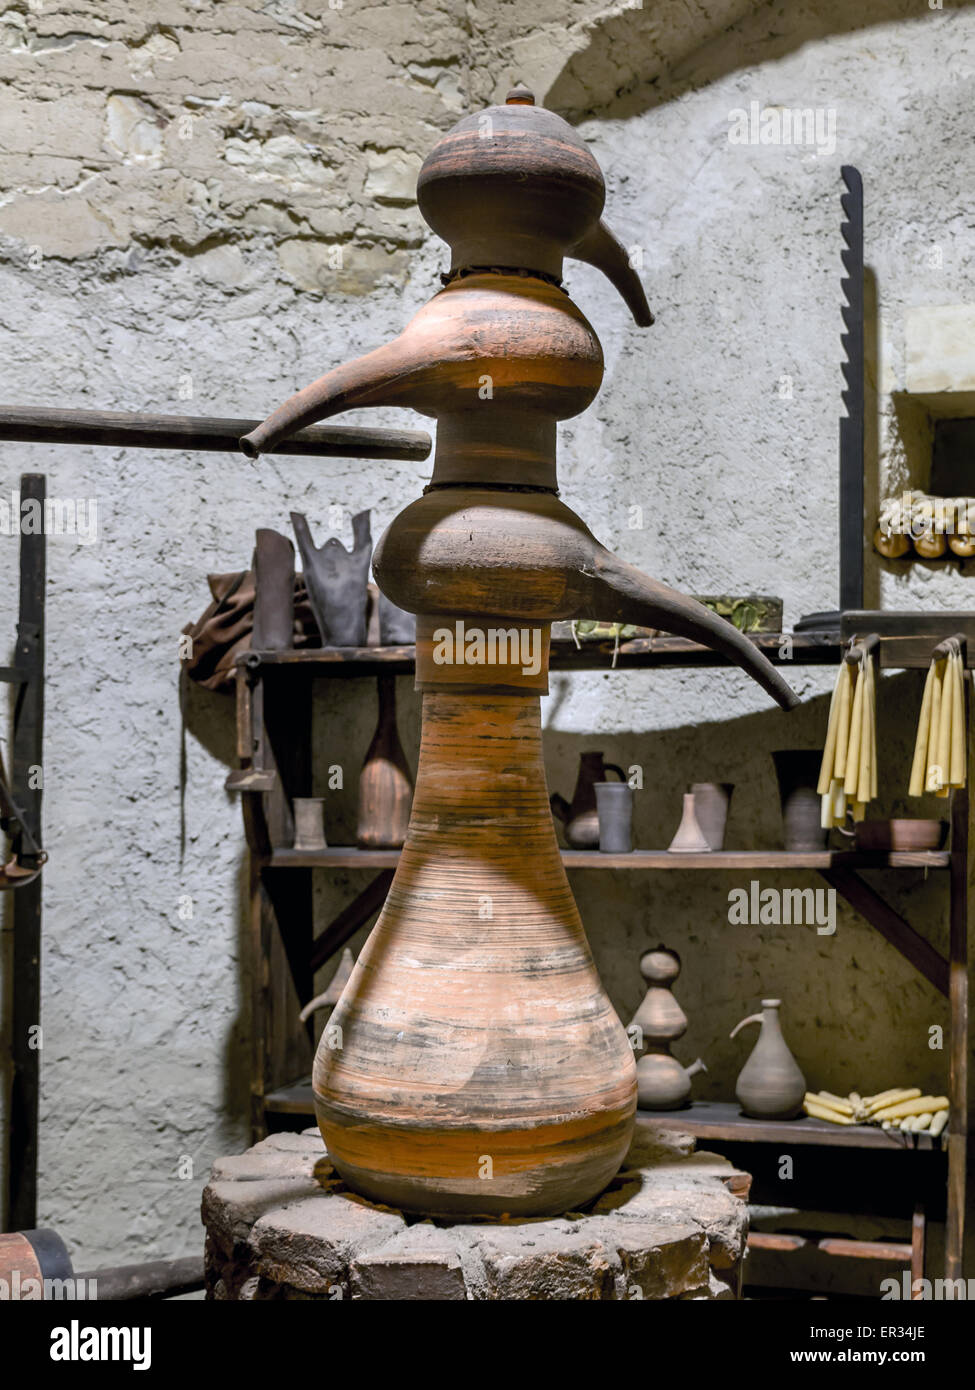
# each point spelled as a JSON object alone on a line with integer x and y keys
{"x": 852, "y": 420}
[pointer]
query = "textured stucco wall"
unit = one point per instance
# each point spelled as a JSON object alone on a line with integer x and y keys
{"x": 204, "y": 207}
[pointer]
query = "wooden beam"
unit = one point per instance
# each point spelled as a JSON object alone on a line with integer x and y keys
{"x": 918, "y": 1232}
{"x": 959, "y": 1030}
{"x": 350, "y": 919}
{"x": 779, "y": 1241}
{"x": 213, "y": 434}
{"x": 891, "y": 925}
{"x": 865, "y": 1249}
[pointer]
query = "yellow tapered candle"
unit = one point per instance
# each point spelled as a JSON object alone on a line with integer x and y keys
{"x": 919, "y": 767}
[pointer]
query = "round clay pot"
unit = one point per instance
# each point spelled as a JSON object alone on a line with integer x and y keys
{"x": 903, "y": 834}
{"x": 797, "y": 771}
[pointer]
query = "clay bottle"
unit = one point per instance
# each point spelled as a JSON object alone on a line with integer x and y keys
{"x": 385, "y": 784}
{"x": 770, "y": 1085}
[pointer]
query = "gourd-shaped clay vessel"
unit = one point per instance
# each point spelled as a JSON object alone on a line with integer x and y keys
{"x": 770, "y": 1085}
{"x": 662, "y": 1083}
{"x": 483, "y": 1068}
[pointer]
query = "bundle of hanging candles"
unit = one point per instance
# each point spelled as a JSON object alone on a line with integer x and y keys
{"x": 939, "y": 753}
{"x": 848, "y": 776}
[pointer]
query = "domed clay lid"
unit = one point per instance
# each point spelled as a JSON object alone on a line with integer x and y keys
{"x": 512, "y": 186}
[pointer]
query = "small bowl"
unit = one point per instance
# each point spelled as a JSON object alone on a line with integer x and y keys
{"x": 900, "y": 834}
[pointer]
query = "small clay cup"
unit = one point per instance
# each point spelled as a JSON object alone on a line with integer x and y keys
{"x": 900, "y": 834}
{"x": 309, "y": 827}
{"x": 614, "y": 803}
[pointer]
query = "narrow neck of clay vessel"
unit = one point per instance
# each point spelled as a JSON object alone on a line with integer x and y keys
{"x": 495, "y": 446}
{"x": 480, "y": 786}
{"x": 771, "y": 1023}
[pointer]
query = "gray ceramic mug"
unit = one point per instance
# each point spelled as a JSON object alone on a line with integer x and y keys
{"x": 614, "y": 803}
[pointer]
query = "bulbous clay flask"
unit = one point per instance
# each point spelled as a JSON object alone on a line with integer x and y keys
{"x": 770, "y": 1085}
{"x": 481, "y": 1067}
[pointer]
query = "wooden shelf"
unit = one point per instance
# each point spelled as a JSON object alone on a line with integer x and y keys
{"x": 350, "y": 857}
{"x": 710, "y": 1119}
{"x": 640, "y": 653}
{"x": 902, "y": 647}
{"x": 291, "y": 1100}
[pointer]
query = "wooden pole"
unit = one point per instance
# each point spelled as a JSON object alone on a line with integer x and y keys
{"x": 958, "y": 1024}
{"x": 136, "y": 430}
{"x": 26, "y": 779}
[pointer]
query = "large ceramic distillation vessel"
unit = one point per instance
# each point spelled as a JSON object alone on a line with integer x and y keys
{"x": 474, "y": 1063}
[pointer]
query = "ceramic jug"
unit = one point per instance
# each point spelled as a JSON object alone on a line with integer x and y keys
{"x": 770, "y": 1085}
{"x": 581, "y": 817}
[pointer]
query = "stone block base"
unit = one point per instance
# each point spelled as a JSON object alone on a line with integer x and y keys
{"x": 282, "y": 1225}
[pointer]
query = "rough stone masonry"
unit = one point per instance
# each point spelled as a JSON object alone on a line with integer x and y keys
{"x": 282, "y": 1225}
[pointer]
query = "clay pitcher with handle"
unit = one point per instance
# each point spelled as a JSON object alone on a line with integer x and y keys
{"x": 770, "y": 1085}
{"x": 580, "y": 817}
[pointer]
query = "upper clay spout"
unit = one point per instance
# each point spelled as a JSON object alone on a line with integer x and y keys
{"x": 515, "y": 187}
{"x": 498, "y": 359}
{"x": 512, "y": 190}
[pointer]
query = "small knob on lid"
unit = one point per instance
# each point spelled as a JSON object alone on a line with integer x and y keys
{"x": 520, "y": 96}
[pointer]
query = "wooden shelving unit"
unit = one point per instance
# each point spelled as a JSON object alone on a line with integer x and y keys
{"x": 273, "y": 725}
{"x": 350, "y": 857}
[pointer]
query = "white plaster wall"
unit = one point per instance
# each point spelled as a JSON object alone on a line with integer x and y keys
{"x": 159, "y": 257}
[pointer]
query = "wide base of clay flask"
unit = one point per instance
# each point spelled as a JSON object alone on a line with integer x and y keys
{"x": 482, "y": 1068}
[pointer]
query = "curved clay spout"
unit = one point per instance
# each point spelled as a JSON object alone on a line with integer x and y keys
{"x": 441, "y": 555}
{"x": 619, "y": 592}
{"x": 603, "y": 249}
{"x": 753, "y": 1018}
{"x": 378, "y": 378}
{"x": 485, "y": 347}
